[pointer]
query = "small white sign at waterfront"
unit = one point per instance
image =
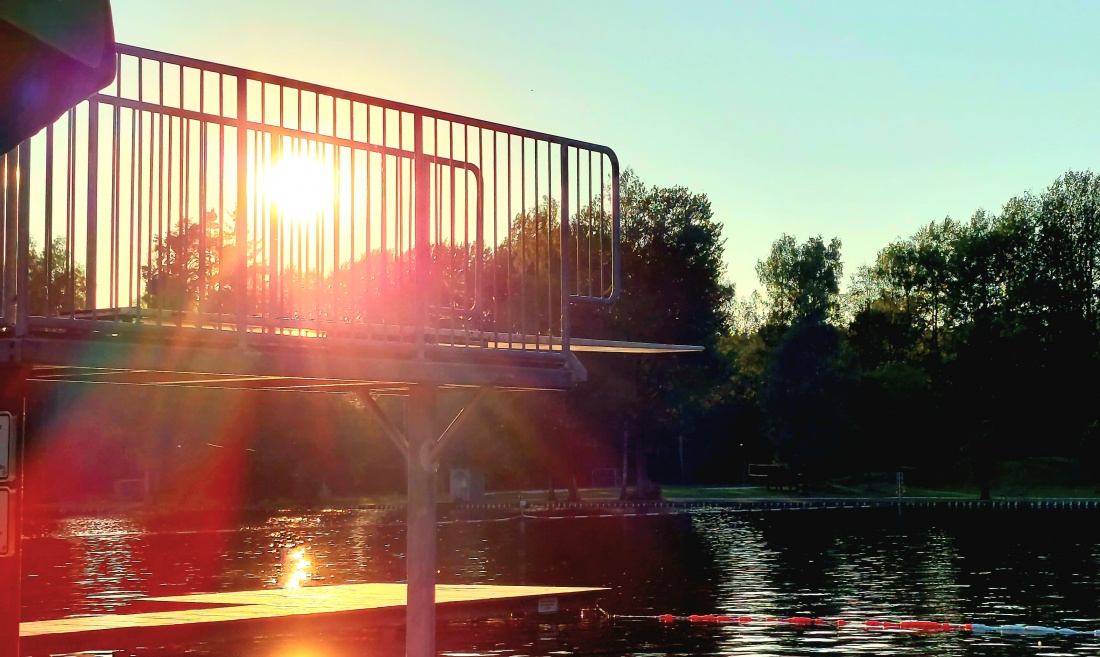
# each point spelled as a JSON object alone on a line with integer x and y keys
{"x": 548, "y": 605}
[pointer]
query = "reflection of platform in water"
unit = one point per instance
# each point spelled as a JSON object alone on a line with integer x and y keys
{"x": 281, "y": 611}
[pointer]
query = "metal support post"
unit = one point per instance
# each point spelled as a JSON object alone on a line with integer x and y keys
{"x": 13, "y": 387}
{"x": 421, "y": 563}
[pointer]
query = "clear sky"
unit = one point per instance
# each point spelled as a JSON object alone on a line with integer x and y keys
{"x": 860, "y": 120}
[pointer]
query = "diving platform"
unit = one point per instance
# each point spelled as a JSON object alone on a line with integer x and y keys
{"x": 203, "y": 225}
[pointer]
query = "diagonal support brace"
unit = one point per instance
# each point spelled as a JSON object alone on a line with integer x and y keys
{"x": 392, "y": 432}
{"x": 454, "y": 428}
{"x": 429, "y": 452}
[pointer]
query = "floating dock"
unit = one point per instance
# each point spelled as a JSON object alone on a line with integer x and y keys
{"x": 309, "y": 609}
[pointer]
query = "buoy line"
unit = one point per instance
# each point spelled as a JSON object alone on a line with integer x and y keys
{"x": 871, "y": 624}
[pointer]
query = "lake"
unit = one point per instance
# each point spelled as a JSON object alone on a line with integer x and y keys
{"x": 992, "y": 567}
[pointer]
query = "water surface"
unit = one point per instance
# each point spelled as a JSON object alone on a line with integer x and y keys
{"x": 964, "y": 566}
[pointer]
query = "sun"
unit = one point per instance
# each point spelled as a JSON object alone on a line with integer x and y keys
{"x": 300, "y": 186}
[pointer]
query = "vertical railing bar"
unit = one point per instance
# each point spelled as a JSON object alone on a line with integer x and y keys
{"x": 422, "y": 201}
{"x": 153, "y": 128}
{"x": 204, "y": 136}
{"x": 9, "y": 236}
{"x": 47, "y": 254}
{"x": 219, "y": 302}
{"x": 577, "y": 282}
{"x": 337, "y": 160}
{"x": 550, "y": 248}
{"x": 591, "y": 215}
{"x": 321, "y": 226}
{"x": 616, "y": 236}
{"x": 116, "y": 138}
{"x": 22, "y": 291}
{"x": 479, "y": 234}
{"x": 6, "y": 196}
{"x": 93, "y": 183}
{"x": 158, "y": 244}
{"x": 139, "y": 141}
{"x": 603, "y": 286}
{"x": 321, "y": 149}
{"x": 538, "y": 328}
{"x": 275, "y": 234}
{"x": 183, "y": 256}
{"x": 318, "y": 145}
{"x": 165, "y": 228}
{"x": 351, "y": 199}
{"x": 436, "y": 320}
{"x": 382, "y": 224}
{"x": 508, "y": 252}
{"x": 9, "y": 200}
{"x": 523, "y": 240}
{"x": 240, "y": 220}
{"x": 337, "y": 156}
{"x": 135, "y": 116}
{"x": 262, "y": 211}
{"x": 136, "y": 267}
{"x": 304, "y": 149}
{"x": 369, "y": 256}
{"x": 116, "y": 213}
{"x": 70, "y": 215}
{"x": 565, "y": 288}
{"x": 466, "y": 229}
{"x": 451, "y": 305}
{"x": 496, "y": 243}
{"x": 179, "y": 263}
{"x": 259, "y": 266}
{"x": 398, "y": 210}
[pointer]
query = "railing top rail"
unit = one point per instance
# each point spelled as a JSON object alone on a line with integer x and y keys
{"x": 258, "y": 76}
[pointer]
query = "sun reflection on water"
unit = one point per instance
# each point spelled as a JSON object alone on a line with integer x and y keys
{"x": 299, "y": 569}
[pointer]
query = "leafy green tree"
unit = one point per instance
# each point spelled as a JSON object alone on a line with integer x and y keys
{"x": 56, "y": 287}
{"x": 802, "y": 281}
{"x": 805, "y": 398}
{"x": 674, "y": 292}
{"x": 192, "y": 265}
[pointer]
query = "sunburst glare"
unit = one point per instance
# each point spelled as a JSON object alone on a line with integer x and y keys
{"x": 300, "y": 186}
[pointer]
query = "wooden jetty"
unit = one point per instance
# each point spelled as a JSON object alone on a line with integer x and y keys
{"x": 309, "y": 609}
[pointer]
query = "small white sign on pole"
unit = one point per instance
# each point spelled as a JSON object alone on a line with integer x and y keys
{"x": 5, "y": 500}
{"x": 548, "y": 605}
{"x": 5, "y": 446}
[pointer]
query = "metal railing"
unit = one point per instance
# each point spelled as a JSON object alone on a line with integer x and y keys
{"x": 207, "y": 197}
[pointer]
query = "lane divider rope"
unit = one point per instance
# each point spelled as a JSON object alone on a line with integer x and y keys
{"x": 871, "y": 624}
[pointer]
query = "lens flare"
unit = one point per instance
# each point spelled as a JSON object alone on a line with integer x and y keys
{"x": 300, "y": 186}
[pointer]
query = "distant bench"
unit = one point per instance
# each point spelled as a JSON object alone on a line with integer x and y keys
{"x": 774, "y": 476}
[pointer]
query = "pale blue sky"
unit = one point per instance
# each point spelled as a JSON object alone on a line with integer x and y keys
{"x": 860, "y": 120}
